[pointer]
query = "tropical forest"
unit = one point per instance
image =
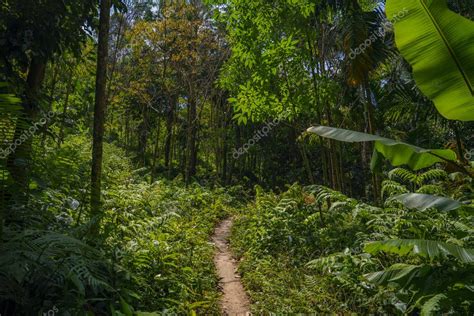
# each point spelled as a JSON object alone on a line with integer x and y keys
{"x": 236, "y": 157}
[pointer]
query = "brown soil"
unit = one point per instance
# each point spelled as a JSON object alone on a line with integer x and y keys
{"x": 234, "y": 299}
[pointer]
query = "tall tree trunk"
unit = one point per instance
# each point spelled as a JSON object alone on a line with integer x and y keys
{"x": 143, "y": 137}
{"x": 459, "y": 146}
{"x": 156, "y": 152}
{"x": 376, "y": 182}
{"x": 69, "y": 89}
{"x": 51, "y": 102}
{"x": 191, "y": 148}
{"x": 18, "y": 161}
{"x": 99, "y": 114}
{"x": 306, "y": 163}
{"x": 169, "y": 131}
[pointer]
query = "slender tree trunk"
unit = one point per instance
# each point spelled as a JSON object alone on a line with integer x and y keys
{"x": 376, "y": 182}
{"x": 459, "y": 146}
{"x": 18, "y": 161}
{"x": 99, "y": 114}
{"x": 306, "y": 163}
{"x": 19, "y": 171}
{"x": 156, "y": 152}
{"x": 51, "y": 101}
{"x": 225, "y": 141}
{"x": 143, "y": 136}
{"x": 191, "y": 148}
{"x": 69, "y": 89}
{"x": 169, "y": 131}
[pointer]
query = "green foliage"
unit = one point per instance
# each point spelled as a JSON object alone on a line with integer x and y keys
{"x": 435, "y": 41}
{"x": 399, "y": 153}
{"x": 40, "y": 36}
{"x": 153, "y": 253}
{"x": 430, "y": 189}
{"x": 442, "y": 282}
{"x": 424, "y": 201}
{"x": 276, "y": 236}
{"x": 43, "y": 268}
{"x": 159, "y": 233}
{"x": 429, "y": 249}
{"x": 418, "y": 179}
{"x": 308, "y": 249}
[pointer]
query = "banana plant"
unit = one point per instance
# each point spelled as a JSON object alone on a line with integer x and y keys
{"x": 442, "y": 280}
{"x": 425, "y": 201}
{"x": 438, "y": 43}
{"x": 398, "y": 153}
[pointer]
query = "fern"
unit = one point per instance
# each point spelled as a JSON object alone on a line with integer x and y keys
{"x": 442, "y": 284}
{"x": 431, "y": 189}
{"x": 432, "y": 175}
{"x": 45, "y": 264}
{"x": 418, "y": 180}
{"x": 433, "y": 305}
{"x": 403, "y": 175}
{"x": 391, "y": 188}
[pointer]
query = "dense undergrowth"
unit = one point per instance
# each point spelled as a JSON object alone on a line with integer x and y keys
{"x": 153, "y": 253}
{"x": 314, "y": 250}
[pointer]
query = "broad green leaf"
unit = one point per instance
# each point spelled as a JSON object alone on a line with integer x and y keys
{"x": 396, "y": 273}
{"x": 425, "y": 201}
{"x": 398, "y": 153}
{"x": 125, "y": 307}
{"x": 433, "y": 305}
{"x": 425, "y": 248}
{"x": 438, "y": 43}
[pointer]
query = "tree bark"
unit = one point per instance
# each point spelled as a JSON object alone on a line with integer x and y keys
{"x": 143, "y": 137}
{"x": 169, "y": 131}
{"x": 376, "y": 181}
{"x": 156, "y": 152}
{"x": 191, "y": 148}
{"x": 99, "y": 114}
{"x": 69, "y": 90}
{"x": 51, "y": 101}
{"x": 18, "y": 162}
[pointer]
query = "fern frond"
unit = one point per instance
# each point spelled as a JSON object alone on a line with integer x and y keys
{"x": 391, "y": 188}
{"x": 433, "y": 305}
{"x": 431, "y": 189}
{"x": 432, "y": 175}
{"x": 403, "y": 175}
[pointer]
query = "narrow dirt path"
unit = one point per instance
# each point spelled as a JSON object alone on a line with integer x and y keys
{"x": 234, "y": 299}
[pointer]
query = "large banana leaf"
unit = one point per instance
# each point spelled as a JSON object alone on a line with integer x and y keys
{"x": 439, "y": 44}
{"x": 399, "y": 273}
{"x": 429, "y": 249}
{"x": 425, "y": 201}
{"x": 398, "y": 153}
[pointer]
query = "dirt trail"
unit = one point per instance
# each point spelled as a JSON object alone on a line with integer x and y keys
{"x": 234, "y": 299}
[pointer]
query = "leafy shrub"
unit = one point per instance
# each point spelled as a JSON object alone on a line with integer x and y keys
{"x": 153, "y": 253}
{"x": 304, "y": 252}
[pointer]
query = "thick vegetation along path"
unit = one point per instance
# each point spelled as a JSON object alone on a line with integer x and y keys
{"x": 234, "y": 299}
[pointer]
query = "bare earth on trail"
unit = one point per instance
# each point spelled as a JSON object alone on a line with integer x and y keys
{"x": 234, "y": 299}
